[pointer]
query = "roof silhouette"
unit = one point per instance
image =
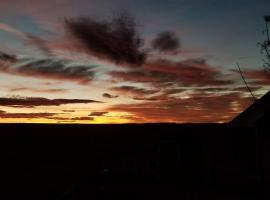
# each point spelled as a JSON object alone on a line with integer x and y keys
{"x": 255, "y": 113}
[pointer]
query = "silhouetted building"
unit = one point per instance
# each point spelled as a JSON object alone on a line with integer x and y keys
{"x": 258, "y": 114}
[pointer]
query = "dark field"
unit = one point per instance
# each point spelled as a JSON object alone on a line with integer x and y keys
{"x": 164, "y": 161}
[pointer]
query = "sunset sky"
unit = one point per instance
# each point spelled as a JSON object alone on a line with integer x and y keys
{"x": 126, "y": 61}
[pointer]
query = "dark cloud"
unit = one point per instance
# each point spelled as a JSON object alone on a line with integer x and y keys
{"x": 155, "y": 98}
{"x": 51, "y": 69}
{"x": 117, "y": 40}
{"x": 110, "y": 96}
{"x": 30, "y": 102}
{"x": 65, "y": 119}
{"x": 5, "y": 61}
{"x": 58, "y": 70}
{"x": 82, "y": 118}
{"x": 25, "y": 115}
{"x": 142, "y": 76}
{"x": 215, "y": 89}
{"x": 7, "y": 58}
{"x": 134, "y": 91}
{"x": 36, "y": 90}
{"x": 68, "y": 111}
{"x": 166, "y": 42}
{"x": 58, "y": 118}
{"x": 97, "y": 114}
{"x": 245, "y": 89}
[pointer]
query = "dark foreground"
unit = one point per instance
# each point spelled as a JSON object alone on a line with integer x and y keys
{"x": 154, "y": 161}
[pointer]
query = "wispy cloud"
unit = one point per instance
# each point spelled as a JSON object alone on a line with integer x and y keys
{"x": 68, "y": 111}
{"x": 46, "y": 69}
{"x": 37, "y": 90}
{"x": 28, "y": 38}
{"x": 142, "y": 76}
{"x": 97, "y": 114}
{"x": 31, "y": 102}
{"x": 110, "y": 96}
{"x": 14, "y": 31}
{"x": 134, "y": 91}
{"x": 82, "y": 118}
{"x": 4, "y": 115}
{"x": 7, "y": 59}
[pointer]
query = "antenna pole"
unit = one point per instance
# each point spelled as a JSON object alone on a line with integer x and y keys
{"x": 242, "y": 75}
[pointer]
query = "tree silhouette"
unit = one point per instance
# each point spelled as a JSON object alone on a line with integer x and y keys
{"x": 265, "y": 50}
{"x": 265, "y": 46}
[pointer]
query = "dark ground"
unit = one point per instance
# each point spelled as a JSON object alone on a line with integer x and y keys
{"x": 164, "y": 161}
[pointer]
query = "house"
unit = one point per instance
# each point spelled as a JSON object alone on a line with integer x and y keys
{"x": 257, "y": 115}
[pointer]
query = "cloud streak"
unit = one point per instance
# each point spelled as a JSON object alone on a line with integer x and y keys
{"x": 109, "y": 96}
{"x": 134, "y": 91}
{"x": 97, "y": 114}
{"x": 5, "y": 115}
{"x": 82, "y": 118}
{"x": 36, "y": 90}
{"x": 46, "y": 69}
{"x": 9, "y": 29}
{"x": 57, "y": 70}
{"x": 6, "y": 58}
{"x": 31, "y": 102}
